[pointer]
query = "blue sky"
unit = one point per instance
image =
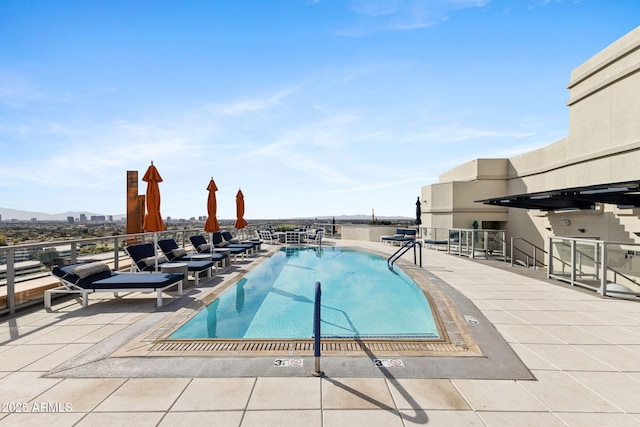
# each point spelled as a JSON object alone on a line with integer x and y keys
{"x": 312, "y": 108}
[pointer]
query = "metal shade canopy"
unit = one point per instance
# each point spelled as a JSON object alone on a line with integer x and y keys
{"x": 623, "y": 194}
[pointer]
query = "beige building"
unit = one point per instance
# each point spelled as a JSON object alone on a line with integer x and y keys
{"x": 585, "y": 185}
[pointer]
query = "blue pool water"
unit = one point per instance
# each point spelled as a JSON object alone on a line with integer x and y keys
{"x": 360, "y": 298}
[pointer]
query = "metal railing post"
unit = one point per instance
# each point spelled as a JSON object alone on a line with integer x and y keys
{"x": 573, "y": 263}
{"x": 74, "y": 254}
{"x": 603, "y": 269}
{"x": 511, "y": 252}
{"x": 11, "y": 289}
{"x": 116, "y": 253}
{"x": 316, "y": 330}
{"x": 550, "y": 259}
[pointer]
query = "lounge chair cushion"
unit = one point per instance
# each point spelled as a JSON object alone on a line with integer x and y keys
{"x": 151, "y": 261}
{"x": 179, "y": 252}
{"x": 85, "y": 270}
{"x": 136, "y": 281}
{"x": 115, "y": 280}
{"x": 409, "y": 234}
{"x": 204, "y": 248}
{"x": 228, "y": 237}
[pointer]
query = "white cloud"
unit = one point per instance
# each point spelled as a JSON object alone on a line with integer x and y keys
{"x": 460, "y": 134}
{"x": 16, "y": 91}
{"x": 380, "y": 185}
{"x": 258, "y": 104}
{"x": 375, "y": 8}
{"x": 401, "y": 15}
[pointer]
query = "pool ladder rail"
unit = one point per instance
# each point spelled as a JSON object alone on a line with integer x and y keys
{"x": 404, "y": 249}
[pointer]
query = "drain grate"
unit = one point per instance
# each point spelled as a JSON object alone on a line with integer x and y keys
{"x": 225, "y": 347}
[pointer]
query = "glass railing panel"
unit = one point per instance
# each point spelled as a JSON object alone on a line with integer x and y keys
{"x": 623, "y": 265}
{"x": 466, "y": 245}
{"x": 587, "y": 260}
{"x": 479, "y": 242}
{"x": 496, "y": 242}
{"x": 560, "y": 253}
{"x": 433, "y": 235}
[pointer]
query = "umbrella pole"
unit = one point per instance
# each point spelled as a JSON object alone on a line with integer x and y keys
{"x": 155, "y": 245}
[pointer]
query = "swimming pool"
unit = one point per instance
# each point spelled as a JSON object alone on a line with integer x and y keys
{"x": 361, "y": 298}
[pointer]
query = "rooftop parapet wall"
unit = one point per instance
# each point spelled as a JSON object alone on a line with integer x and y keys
{"x": 604, "y": 100}
{"x": 617, "y": 60}
{"x": 477, "y": 169}
{"x": 461, "y": 195}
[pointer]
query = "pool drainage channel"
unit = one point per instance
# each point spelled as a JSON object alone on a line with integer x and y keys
{"x": 245, "y": 347}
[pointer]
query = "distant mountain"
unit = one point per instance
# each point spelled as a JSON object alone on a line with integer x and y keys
{"x": 9, "y": 214}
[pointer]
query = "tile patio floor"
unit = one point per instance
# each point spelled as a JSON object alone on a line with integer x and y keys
{"x": 583, "y": 350}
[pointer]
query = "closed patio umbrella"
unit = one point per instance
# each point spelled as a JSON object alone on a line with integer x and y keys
{"x": 153, "y": 219}
{"x": 418, "y": 212}
{"x": 212, "y": 225}
{"x": 240, "y": 222}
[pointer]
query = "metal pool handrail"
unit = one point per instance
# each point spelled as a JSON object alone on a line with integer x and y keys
{"x": 316, "y": 329}
{"x": 403, "y": 249}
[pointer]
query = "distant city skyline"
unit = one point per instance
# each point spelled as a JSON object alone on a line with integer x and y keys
{"x": 311, "y": 107}
{"x": 13, "y": 214}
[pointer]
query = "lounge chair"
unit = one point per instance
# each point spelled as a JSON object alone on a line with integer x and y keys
{"x": 402, "y": 235}
{"x": 88, "y": 277}
{"x": 219, "y": 242}
{"x": 170, "y": 249}
{"x": 268, "y": 237}
{"x": 410, "y": 234}
{"x": 311, "y": 233}
{"x": 202, "y": 247}
{"x": 253, "y": 242}
{"x": 292, "y": 237}
{"x": 144, "y": 259}
{"x": 315, "y": 238}
{"x": 227, "y": 237}
{"x": 398, "y": 237}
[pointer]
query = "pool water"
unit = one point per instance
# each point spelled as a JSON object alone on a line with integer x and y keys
{"x": 361, "y": 298}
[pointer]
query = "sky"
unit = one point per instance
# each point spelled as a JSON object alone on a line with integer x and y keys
{"x": 311, "y": 107}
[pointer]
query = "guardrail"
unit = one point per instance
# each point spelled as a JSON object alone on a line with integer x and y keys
{"x": 109, "y": 249}
{"x": 331, "y": 230}
{"x": 538, "y": 256}
{"x": 603, "y": 266}
{"x": 476, "y": 243}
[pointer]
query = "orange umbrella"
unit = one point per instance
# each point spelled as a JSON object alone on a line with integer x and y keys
{"x": 240, "y": 222}
{"x": 212, "y": 225}
{"x": 153, "y": 219}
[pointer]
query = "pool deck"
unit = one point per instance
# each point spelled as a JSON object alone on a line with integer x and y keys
{"x": 582, "y": 350}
